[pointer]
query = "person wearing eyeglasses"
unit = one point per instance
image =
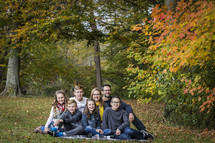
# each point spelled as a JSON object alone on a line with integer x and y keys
{"x": 106, "y": 91}
{"x": 116, "y": 120}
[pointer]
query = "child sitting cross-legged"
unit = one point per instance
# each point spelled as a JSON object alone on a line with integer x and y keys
{"x": 91, "y": 121}
{"x": 71, "y": 120}
{"x": 116, "y": 120}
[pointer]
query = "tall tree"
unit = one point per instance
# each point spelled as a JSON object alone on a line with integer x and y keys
{"x": 179, "y": 61}
{"x": 97, "y": 50}
{"x": 13, "y": 87}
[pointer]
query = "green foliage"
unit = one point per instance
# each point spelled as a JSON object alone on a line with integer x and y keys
{"x": 173, "y": 61}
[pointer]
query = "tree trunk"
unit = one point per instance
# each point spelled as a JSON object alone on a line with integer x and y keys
{"x": 171, "y": 5}
{"x": 96, "y": 54}
{"x": 13, "y": 87}
{"x": 97, "y": 64}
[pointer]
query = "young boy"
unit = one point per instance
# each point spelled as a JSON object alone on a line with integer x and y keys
{"x": 117, "y": 121}
{"x": 106, "y": 91}
{"x": 71, "y": 120}
{"x": 81, "y": 101}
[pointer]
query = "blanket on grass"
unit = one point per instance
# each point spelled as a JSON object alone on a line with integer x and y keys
{"x": 107, "y": 138}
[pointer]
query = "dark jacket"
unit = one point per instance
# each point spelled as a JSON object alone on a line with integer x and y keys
{"x": 71, "y": 121}
{"x": 123, "y": 105}
{"x": 93, "y": 121}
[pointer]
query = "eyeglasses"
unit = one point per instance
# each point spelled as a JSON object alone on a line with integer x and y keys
{"x": 107, "y": 90}
{"x": 115, "y": 102}
{"x": 96, "y": 94}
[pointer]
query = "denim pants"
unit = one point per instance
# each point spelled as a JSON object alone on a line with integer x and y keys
{"x": 138, "y": 124}
{"x": 89, "y": 129}
{"x": 50, "y": 126}
{"x": 129, "y": 133}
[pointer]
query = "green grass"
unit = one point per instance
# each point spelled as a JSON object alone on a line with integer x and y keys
{"x": 19, "y": 117}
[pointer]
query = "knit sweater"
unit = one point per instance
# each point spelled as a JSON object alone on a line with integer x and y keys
{"x": 114, "y": 120}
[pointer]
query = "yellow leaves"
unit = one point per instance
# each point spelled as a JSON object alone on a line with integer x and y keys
{"x": 137, "y": 27}
{"x": 2, "y": 65}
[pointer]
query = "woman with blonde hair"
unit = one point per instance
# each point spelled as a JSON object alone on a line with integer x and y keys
{"x": 97, "y": 97}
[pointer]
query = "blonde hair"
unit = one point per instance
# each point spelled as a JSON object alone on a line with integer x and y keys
{"x": 71, "y": 102}
{"x": 100, "y": 100}
{"x": 78, "y": 87}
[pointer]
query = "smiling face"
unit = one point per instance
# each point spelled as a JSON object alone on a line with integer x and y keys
{"x": 79, "y": 94}
{"x": 60, "y": 98}
{"x": 91, "y": 106}
{"x": 115, "y": 103}
{"x": 106, "y": 91}
{"x": 72, "y": 107}
{"x": 96, "y": 96}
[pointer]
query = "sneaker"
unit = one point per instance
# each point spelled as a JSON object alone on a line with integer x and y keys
{"x": 38, "y": 130}
{"x": 147, "y": 135}
{"x": 50, "y": 133}
{"x": 150, "y": 136}
{"x": 59, "y": 134}
{"x": 95, "y": 136}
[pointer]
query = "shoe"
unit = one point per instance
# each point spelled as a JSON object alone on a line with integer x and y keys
{"x": 50, "y": 133}
{"x": 37, "y": 130}
{"x": 89, "y": 135}
{"x": 95, "y": 136}
{"x": 59, "y": 134}
{"x": 147, "y": 135}
{"x": 150, "y": 136}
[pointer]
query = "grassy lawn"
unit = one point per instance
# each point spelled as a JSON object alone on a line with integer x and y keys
{"x": 19, "y": 117}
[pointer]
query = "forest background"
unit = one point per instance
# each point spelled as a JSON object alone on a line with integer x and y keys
{"x": 152, "y": 51}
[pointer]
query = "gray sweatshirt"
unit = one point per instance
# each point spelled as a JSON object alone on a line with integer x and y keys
{"x": 114, "y": 120}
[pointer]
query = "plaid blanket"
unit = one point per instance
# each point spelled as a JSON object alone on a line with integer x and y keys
{"x": 105, "y": 138}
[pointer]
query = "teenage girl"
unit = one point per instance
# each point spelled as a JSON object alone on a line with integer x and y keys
{"x": 91, "y": 121}
{"x": 58, "y": 107}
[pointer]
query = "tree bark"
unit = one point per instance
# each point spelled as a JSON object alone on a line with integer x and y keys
{"x": 96, "y": 48}
{"x": 97, "y": 64}
{"x": 13, "y": 87}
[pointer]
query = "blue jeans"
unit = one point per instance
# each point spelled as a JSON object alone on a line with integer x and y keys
{"x": 50, "y": 126}
{"x": 138, "y": 124}
{"x": 129, "y": 133}
{"x": 89, "y": 129}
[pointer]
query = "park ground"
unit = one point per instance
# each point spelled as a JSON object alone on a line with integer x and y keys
{"x": 19, "y": 116}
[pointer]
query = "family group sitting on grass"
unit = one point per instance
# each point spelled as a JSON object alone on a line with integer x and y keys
{"x": 97, "y": 118}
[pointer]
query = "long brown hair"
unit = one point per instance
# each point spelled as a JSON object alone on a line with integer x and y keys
{"x": 55, "y": 98}
{"x": 86, "y": 110}
{"x": 100, "y": 100}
